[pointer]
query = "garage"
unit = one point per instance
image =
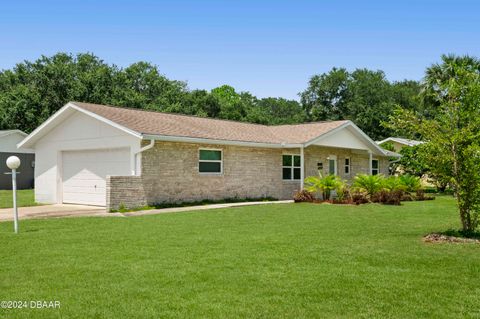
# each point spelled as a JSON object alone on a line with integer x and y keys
{"x": 84, "y": 173}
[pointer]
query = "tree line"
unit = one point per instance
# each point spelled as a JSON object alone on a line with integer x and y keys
{"x": 32, "y": 91}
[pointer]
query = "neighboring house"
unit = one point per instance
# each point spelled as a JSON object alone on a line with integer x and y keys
{"x": 110, "y": 156}
{"x": 399, "y": 143}
{"x": 8, "y": 147}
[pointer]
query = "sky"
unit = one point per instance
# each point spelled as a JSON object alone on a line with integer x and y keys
{"x": 269, "y": 48}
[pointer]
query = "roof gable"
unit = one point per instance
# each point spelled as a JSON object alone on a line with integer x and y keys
{"x": 400, "y": 140}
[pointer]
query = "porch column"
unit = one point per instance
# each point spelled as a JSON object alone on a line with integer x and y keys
{"x": 302, "y": 167}
{"x": 369, "y": 163}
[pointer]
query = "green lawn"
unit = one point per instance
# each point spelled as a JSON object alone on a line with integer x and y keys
{"x": 272, "y": 261}
{"x": 25, "y": 197}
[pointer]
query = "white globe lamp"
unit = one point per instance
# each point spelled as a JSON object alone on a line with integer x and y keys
{"x": 13, "y": 163}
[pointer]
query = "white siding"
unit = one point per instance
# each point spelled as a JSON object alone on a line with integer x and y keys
{"x": 78, "y": 132}
{"x": 8, "y": 144}
{"x": 344, "y": 138}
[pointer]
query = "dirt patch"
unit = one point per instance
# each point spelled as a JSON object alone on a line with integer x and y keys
{"x": 440, "y": 238}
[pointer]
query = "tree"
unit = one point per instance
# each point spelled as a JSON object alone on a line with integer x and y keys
{"x": 364, "y": 96}
{"x": 33, "y": 91}
{"x": 452, "y": 132}
{"x": 326, "y": 96}
{"x": 280, "y": 111}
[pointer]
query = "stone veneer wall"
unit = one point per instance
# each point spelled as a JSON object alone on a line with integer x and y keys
{"x": 170, "y": 174}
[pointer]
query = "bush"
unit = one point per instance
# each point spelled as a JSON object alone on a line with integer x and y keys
{"x": 410, "y": 183}
{"x": 359, "y": 197}
{"x": 303, "y": 196}
{"x": 325, "y": 185}
{"x": 420, "y": 195}
{"x": 369, "y": 184}
{"x": 393, "y": 183}
{"x": 343, "y": 191}
{"x": 387, "y": 197}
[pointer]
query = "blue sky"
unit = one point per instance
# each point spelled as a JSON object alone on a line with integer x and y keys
{"x": 270, "y": 48}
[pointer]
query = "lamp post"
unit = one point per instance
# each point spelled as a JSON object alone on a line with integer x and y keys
{"x": 13, "y": 163}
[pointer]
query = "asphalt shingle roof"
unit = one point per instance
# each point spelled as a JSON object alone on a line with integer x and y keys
{"x": 168, "y": 124}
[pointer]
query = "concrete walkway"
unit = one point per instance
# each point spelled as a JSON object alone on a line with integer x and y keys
{"x": 64, "y": 210}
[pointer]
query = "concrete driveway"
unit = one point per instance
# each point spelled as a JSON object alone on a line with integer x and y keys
{"x": 57, "y": 210}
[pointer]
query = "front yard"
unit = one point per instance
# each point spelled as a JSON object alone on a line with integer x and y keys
{"x": 285, "y": 260}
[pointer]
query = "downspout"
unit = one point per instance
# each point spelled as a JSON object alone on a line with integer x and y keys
{"x": 143, "y": 149}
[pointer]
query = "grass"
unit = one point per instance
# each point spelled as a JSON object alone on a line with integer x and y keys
{"x": 123, "y": 209}
{"x": 25, "y": 197}
{"x": 269, "y": 261}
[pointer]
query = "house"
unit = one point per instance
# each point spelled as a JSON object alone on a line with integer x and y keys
{"x": 110, "y": 156}
{"x": 8, "y": 147}
{"x": 398, "y": 143}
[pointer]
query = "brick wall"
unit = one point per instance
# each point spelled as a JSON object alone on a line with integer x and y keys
{"x": 125, "y": 190}
{"x": 170, "y": 174}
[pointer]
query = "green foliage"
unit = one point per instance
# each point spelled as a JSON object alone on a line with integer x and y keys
{"x": 364, "y": 96}
{"x": 324, "y": 184}
{"x": 410, "y": 183}
{"x": 393, "y": 183}
{"x": 452, "y": 130}
{"x": 414, "y": 160}
{"x": 370, "y": 184}
{"x": 33, "y": 91}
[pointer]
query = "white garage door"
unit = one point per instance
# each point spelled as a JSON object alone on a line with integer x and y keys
{"x": 85, "y": 172}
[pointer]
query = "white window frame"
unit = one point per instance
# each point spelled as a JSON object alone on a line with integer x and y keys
{"x": 349, "y": 165}
{"x": 335, "y": 167}
{"x": 211, "y": 161}
{"x": 375, "y": 169}
{"x": 292, "y": 178}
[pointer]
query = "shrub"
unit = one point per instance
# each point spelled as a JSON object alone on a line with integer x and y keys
{"x": 387, "y": 197}
{"x": 407, "y": 197}
{"x": 393, "y": 183}
{"x": 303, "y": 196}
{"x": 420, "y": 195}
{"x": 325, "y": 185}
{"x": 359, "y": 197}
{"x": 343, "y": 191}
{"x": 369, "y": 184}
{"x": 411, "y": 183}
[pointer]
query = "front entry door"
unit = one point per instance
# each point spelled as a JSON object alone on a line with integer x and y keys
{"x": 332, "y": 165}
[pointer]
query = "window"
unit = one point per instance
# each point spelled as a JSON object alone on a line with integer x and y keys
{"x": 210, "y": 161}
{"x": 332, "y": 164}
{"x": 347, "y": 166}
{"x": 375, "y": 167}
{"x": 291, "y": 167}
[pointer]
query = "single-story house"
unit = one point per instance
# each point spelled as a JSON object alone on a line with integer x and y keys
{"x": 8, "y": 147}
{"x": 110, "y": 156}
{"x": 399, "y": 142}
